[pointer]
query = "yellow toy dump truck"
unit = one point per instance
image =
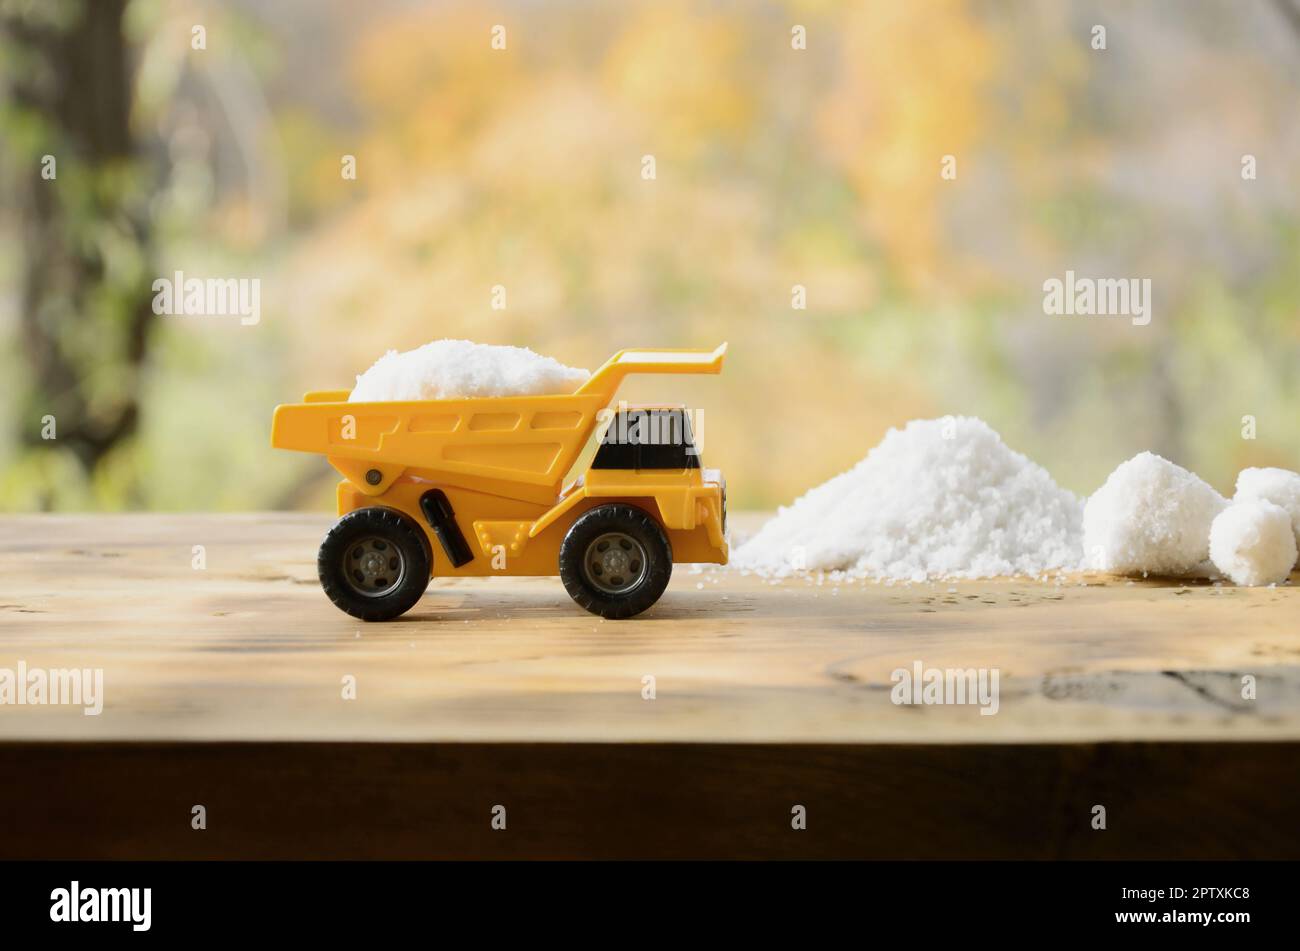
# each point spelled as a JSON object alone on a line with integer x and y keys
{"x": 499, "y": 486}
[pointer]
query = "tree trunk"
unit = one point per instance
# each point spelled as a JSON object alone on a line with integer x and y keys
{"x": 86, "y": 298}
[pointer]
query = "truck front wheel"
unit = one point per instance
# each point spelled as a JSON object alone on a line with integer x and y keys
{"x": 374, "y": 563}
{"x": 615, "y": 561}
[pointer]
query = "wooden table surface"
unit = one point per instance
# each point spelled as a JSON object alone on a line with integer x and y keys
{"x": 248, "y": 651}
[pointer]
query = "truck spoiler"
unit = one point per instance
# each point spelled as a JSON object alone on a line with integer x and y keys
{"x": 606, "y": 380}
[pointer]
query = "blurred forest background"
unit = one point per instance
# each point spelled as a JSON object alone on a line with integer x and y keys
{"x": 522, "y": 167}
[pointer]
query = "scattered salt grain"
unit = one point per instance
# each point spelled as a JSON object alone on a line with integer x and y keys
{"x": 452, "y": 369}
{"x": 1150, "y": 517}
{"x": 1279, "y": 486}
{"x": 942, "y": 498}
{"x": 1252, "y": 542}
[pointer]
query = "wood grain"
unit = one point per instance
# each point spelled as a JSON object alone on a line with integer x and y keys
{"x": 249, "y": 649}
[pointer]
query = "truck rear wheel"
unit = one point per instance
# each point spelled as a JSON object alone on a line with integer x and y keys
{"x": 615, "y": 561}
{"x": 374, "y": 563}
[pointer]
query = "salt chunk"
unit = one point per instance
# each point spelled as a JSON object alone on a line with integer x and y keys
{"x": 1253, "y": 543}
{"x": 454, "y": 369}
{"x": 1150, "y": 517}
{"x": 940, "y": 498}
{"x": 1279, "y": 486}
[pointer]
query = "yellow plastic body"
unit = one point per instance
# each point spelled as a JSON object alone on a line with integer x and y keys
{"x": 502, "y": 463}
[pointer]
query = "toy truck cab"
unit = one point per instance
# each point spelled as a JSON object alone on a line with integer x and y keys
{"x": 648, "y": 458}
{"x": 650, "y": 447}
{"x": 476, "y": 487}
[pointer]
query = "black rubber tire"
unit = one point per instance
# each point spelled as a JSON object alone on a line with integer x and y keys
{"x": 634, "y": 522}
{"x": 396, "y": 529}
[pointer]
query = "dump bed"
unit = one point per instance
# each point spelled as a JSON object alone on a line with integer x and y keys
{"x": 515, "y": 446}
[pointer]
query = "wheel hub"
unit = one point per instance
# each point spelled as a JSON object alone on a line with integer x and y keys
{"x": 615, "y": 563}
{"x": 373, "y": 567}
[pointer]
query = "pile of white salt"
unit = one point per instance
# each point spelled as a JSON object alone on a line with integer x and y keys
{"x": 946, "y": 498}
{"x": 1155, "y": 517}
{"x": 940, "y": 498}
{"x": 1253, "y": 542}
{"x": 456, "y": 369}
{"x": 1151, "y": 517}
{"x": 1279, "y": 486}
